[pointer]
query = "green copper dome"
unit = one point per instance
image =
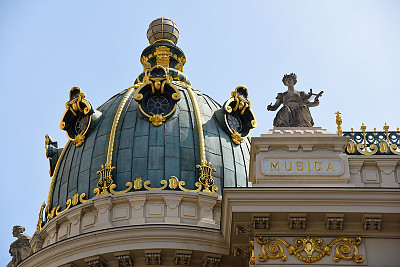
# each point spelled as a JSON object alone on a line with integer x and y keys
{"x": 157, "y": 129}
{"x": 152, "y": 153}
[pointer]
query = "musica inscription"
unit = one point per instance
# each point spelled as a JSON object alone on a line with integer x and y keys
{"x": 302, "y": 166}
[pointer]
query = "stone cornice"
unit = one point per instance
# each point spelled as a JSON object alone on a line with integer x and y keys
{"x": 128, "y": 238}
{"x": 351, "y": 201}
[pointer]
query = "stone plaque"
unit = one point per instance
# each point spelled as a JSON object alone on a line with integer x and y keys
{"x": 304, "y": 166}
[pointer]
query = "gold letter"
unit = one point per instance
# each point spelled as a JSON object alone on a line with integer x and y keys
{"x": 299, "y": 165}
{"x": 308, "y": 165}
{"x": 276, "y": 165}
{"x": 290, "y": 165}
{"x": 315, "y": 166}
{"x": 330, "y": 166}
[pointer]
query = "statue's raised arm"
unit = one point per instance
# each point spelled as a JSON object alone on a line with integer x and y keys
{"x": 278, "y": 102}
{"x": 294, "y": 112}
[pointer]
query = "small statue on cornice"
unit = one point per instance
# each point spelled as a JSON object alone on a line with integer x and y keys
{"x": 20, "y": 248}
{"x": 295, "y": 111}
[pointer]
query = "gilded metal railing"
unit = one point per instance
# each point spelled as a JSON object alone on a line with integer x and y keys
{"x": 370, "y": 142}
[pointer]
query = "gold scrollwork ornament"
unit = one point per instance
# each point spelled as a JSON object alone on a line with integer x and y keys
{"x": 308, "y": 245}
{"x": 252, "y": 259}
{"x": 393, "y": 148}
{"x": 163, "y": 182}
{"x": 363, "y": 149}
{"x": 129, "y": 186}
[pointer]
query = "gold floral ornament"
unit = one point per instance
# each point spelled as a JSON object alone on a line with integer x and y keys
{"x": 78, "y": 116}
{"x": 310, "y": 250}
{"x": 237, "y": 116}
{"x": 156, "y": 95}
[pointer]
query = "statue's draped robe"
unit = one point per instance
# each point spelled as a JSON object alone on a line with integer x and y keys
{"x": 294, "y": 113}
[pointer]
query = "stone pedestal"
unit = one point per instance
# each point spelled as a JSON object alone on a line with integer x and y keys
{"x": 301, "y": 156}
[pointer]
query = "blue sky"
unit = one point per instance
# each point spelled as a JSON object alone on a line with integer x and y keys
{"x": 349, "y": 49}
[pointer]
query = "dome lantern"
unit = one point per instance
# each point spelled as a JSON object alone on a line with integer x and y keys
{"x": 163, "y": 29}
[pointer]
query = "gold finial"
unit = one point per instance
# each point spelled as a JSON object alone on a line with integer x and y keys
{"x": 374, "y": 129}
{"x": 397, "y": 128}
{"x": 363, "y": 128}
{"x": 352, "y": 129}
{"x": 386, "y": 129}
{"x": 339, "y": 123}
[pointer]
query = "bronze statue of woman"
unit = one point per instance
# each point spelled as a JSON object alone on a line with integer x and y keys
{"x": 295, "y": 112}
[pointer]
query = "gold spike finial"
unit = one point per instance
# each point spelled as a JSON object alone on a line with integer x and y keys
{"x": 339, "y": 123}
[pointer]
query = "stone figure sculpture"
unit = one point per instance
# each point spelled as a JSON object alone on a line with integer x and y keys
{"x": 20, "y": 248}
{"x": 295, "y": 111}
